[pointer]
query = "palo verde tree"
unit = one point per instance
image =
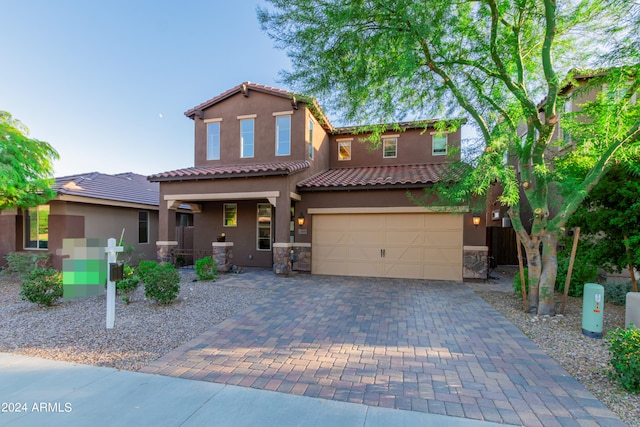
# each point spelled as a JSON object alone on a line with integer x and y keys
{"x": 501, "y": 63}
{"x": 26, "y": 166}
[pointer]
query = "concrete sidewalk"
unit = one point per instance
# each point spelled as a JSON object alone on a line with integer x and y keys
{"x": 55, "y": 393}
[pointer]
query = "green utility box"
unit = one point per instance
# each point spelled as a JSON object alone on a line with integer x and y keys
{"x": 592, "y": 310}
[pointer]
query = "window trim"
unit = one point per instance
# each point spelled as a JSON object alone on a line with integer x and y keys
{"x": 278, "y": 142}
{"x": 344, "y": 141}
{"x": 258, "y": 226}
{"x": 26, "y": 214}
{"x": 148, "y": 225}
{"x": 251, "y": 120}
{"x": 385, "y": 139}
{"x": 224, "y": 214}
{"x": 310, "y": 147}
{"x": 209, "y": 152}
{"x": 446, "y": 143}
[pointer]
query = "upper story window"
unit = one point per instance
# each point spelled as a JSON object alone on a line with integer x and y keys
{"x": 247, "y": 126}
{"x": 344, "y": 150}
{"x": 283, "y": 135}
{"x": 213, "y": 140}
{"x": 390, "y": 148}
{"x": 36, "y": 227}
{"x": 143, "y": 227}
{"x": 310, "y": 142}
{"x": 439, "y": 144}
{"x": 230, "y": 212}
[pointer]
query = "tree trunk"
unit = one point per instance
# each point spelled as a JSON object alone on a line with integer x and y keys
{"x": 534, "y": 271}
{"x": 546, "y": 304}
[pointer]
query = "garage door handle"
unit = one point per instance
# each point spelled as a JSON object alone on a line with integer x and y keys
{"x": 383, "y": 253}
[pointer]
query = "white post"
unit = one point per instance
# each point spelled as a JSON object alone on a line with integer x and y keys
{"x": 111, "y": 250}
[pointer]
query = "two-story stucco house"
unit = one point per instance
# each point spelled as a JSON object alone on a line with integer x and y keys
{"x": 291, "y": 191}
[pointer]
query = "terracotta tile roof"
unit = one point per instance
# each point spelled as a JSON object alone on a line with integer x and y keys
{"x": 123, "y": 187}
{"x": 230, "y": 171}
{"x": 379, "y": 176}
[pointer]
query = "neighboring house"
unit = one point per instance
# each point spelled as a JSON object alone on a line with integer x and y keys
{"x": 291, "y": 191}
{"x": 87, "y": 205}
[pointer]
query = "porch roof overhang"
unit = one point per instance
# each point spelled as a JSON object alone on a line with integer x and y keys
{"x": 232, "y": 171}
{"x": 175, "y": 200}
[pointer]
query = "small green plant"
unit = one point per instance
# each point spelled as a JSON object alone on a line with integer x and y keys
{"x": 128, "y": 285}
{"x": 616, "y": 293}
{"x": 23, "y": 263}
{"x": 206, "y": 268}
{"x": 42, "y": 286}
{"x": 624, "y": 346}
{"x": 517, "y": 283}
{"x": 144, "y": 269}
{"x": 162, "y": 283}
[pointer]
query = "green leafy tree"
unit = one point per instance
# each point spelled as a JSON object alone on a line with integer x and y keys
{"x": 26, "y": 166}
{"x": 608, "y": 219}
{"x": 502, "y": 63}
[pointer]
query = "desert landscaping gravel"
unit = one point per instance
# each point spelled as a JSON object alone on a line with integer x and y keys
{"x": 75, "y": 330}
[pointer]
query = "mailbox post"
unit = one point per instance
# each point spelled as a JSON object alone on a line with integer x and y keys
{"x": 111, "y": 251}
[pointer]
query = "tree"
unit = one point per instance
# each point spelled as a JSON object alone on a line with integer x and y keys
{"x": 503, "y": 63}
{"x": 608, "y": 219}
{"x": 26, "y": 166}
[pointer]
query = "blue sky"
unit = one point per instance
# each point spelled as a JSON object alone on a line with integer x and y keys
{"x": 107, "y": 83}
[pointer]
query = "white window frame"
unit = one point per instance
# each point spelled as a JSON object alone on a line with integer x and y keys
{"x": 213, "y": 139}
{"x": 147, "y": 224}
{"x": 233, "y": 206}
{"x": 433, "y": 144}
{"x": 244, "y": 134}
{"x": 283, "y": 146}
{"x": 345, "y": 143}
{"x": 26, "y": 230}
{"x": 385, "y": 140}
{"x": 259, "y": 227}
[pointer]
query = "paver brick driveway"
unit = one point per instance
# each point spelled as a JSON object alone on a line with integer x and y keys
{"x": 415, "y": 345}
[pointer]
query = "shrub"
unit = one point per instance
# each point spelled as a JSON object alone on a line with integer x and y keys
{"x": 583, "y": 272}
{"x": 162, "y": 283}
{"x": 144, "y": 269}
{"x": 616, "y": 293}
{"x": 42, "y": 286}
{"x": 624, "y": 346}
{"x": 128, "y": 285}
{"x": 23, "y": 263}
{"x": 206, "y": 268}
{"x": 517, "y": 283}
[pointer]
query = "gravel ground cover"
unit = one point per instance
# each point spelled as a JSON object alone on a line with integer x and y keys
{"x": 75, "y": 330}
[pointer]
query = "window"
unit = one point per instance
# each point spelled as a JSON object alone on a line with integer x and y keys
{"x": 390, "y": 148}
{"x": 143, "y": 227}
{"x": 311, "y": 150}
{"x": 283, "y": 135}
{"x": 246, "y": 138}
{"x": 36, "y": 227}
{"x": 344, "y": 150}
{"x": 264, "y": 226}
{"x": 213, "y": 141}
{"x": 230, "y": 215}
{"x": 439, "y": 145}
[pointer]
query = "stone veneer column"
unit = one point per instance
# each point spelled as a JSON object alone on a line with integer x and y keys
{"x": 281, "y": 258}
{"x": 302, "y": 253}
{"x": 222, "y": 252}
{"x": 163, "y": 250}
{"x": 475, "y": 262}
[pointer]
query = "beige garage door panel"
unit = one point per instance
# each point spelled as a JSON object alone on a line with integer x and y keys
{"x": 425, "y": 246}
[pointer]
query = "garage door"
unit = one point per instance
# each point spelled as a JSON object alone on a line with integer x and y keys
{"x": 412, "y": 246}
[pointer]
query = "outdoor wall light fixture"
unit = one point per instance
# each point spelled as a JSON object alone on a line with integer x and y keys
{"x": 301, "y": 219}
{"x": 476, "y": 220}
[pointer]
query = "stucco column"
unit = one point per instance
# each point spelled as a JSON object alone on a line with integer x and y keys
{"x": 166, "y": 223}
{"x": 282, "y": 219}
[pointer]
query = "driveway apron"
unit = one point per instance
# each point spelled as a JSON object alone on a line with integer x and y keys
{"x": 427, "y": 346}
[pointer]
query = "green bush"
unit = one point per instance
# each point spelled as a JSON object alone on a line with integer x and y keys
{"x": 42, "y": 286}
{"x": 517, "y": 283}
{"x": 144, "y": 269}
{"x": 128, "y": 285}
{"x": 162, "y": 283}
{"x": 206, "y": 268}
{"x": 616, "y": 293}
{"x": 624, "y": 346}
{"x": 583, "y": 272}
{"x": 23, "y": 263}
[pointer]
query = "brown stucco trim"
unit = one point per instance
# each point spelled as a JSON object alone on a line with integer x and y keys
{"x": 104, "y": 202}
